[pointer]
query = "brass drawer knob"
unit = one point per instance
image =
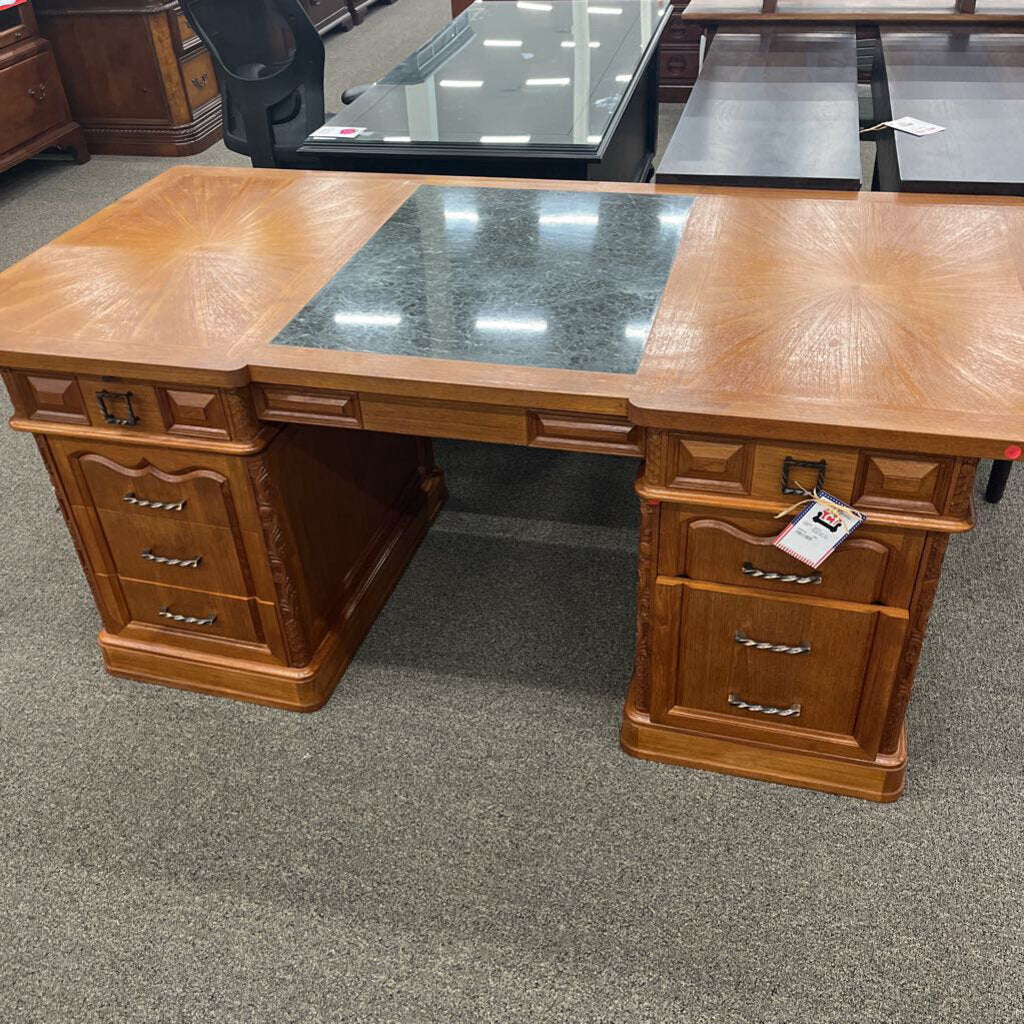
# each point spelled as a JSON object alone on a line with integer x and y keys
{"x": 38, "y": 92}
{"x": 200, "y": 81}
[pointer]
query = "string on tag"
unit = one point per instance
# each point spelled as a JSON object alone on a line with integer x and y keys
{"x": 817, "y": 496}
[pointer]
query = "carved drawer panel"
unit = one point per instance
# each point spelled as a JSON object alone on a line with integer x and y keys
{"x": 48, "y": 398}
{"x": 307, "y": 405}
{"x": 874, "y": 566}
{"x": 192, "y": 612}
{"x": 679, "y": 65}
{"x": 903, "y": 483}
{"x": 157, "y": 484}
{"x": 786, "y": 670}
{"x": 608, "y": 435}
{"x": 680, "y": 32}
{"x": 718, "y": 464}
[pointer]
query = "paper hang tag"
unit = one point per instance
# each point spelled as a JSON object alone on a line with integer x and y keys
{"x": 818, "y": 529}
{"x": 913, "y": 126}
{"x": 330, "y": 131}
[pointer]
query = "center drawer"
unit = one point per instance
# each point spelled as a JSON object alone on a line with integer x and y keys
{"x": 873, "y": 566}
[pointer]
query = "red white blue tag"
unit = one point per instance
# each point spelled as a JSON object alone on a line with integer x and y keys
{"x": 818, "y": 529}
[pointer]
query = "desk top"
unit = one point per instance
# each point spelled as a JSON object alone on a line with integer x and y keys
{"x": 505, "y": 76}
{"x": 916, "y": 12}
{"x": 868, "y": 319}
{"x": 772, "y": 106}
{"x": 970, "y": 83}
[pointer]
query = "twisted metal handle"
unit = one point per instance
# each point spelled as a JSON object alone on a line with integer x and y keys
{"x": 191, "y": 620}
{"x": 184, "y": 563}
{"x": 782, "y": 577}
{"x": 765, "y": 645}
{"x": 793, "y": 711}
{"x": 167, "y": 506}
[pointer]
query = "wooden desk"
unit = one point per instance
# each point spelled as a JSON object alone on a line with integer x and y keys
{"x": 565, "y": 90}
{"x": 971, "y": 83}
{"x": 873, "y": 12}
{"x": 771, "y": 107}
{"x": 203, "y": 469}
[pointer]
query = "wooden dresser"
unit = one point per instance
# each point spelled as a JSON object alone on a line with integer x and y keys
{"x": 138, "y": 78}
{"x": 34, "y": 111}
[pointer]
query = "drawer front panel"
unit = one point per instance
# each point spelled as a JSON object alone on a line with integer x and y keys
{"x": 787, "y": 671}
{"x": 678, "y": 65}
{"x": 609, "y": 435}
{"x": 192, "y": 612}
{"x": 903, "y": 483}
{"x": 679, "y": 32}
{"x": 122, "y": 405}
{"x": 200, "y": 80}
{"x": 176, "y": 552}
{"x": 161, "y": 485}
{"x": 837, "y": 469}
{"x": 33, "y": 99}
{"x": 873, "y": 566}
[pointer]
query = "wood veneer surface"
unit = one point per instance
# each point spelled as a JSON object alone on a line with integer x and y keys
{"x": 881, "y": 319}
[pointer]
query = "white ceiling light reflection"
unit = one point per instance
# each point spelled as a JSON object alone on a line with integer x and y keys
{"x": 528, "y": 5}
{"x": 548, "y": 81}
{"x": 398, "y": 138}
{"x": 520, "y": 326}
{"x": 568, "y": 44}
{"x": 593, "y": 139}
{"x": 604, "y": 10}
{"x": 368, "y": 319}
{"x": 637, "y": 332}
{"x": 510, "y": 44}
{"x": 587, "y": 220}
{"x": 460, "y": 83}
{"x": 672, "y": 220}
{"x": 461, "y": 217}
{"x": 623, "y": 78}
{"x": 520, "y": 139}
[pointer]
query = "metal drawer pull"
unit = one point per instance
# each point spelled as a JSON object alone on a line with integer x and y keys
{"x": 764, "y": 645}
{"x": 782, "y": 577}
{"x": 191, "y": 620}
{"x": 793, "y": 711}
{"x": 166, "y": 506}
{"x": 184, "y": 563}
{"x": 109, "y": 416}
{"x": 788, "y": 463}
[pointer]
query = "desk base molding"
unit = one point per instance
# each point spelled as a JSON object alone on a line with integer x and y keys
{"x": 880, "y": 780}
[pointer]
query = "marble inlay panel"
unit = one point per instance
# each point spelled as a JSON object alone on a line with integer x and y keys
{"x": 527, "y": 277}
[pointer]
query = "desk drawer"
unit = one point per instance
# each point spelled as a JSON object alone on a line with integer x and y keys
{"x": 680, "y": 32}
{"x": 200, "y": 80}
{"x": 155, "y": 484}
{"x": 678, "y": 65}
{"x": 874, "y": 566}
{"x": 797, "y": 671}
{"x": 193, "y": 613}
{"x": 31, "y": 99}
{"x": 178, "y": 553}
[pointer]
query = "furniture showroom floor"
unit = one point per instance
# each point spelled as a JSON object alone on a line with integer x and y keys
{"x": 456, "y": 836}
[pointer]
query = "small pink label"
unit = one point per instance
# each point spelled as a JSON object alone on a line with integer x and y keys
{"x": 1012, "y": 451}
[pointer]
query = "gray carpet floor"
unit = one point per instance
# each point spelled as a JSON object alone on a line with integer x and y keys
{"x": 456, "y": 836}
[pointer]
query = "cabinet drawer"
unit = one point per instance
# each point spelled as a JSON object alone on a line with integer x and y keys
{"x": 680, "y": 32}
{"x": 200, "y": 79}
{"x": 874, "y": 566}
{"x": 678, "y": 65}
{"x": 177, "y": 552}
{"x": 153, "y": 484}
{"x": 31, "y": 99}
{"x": 796, "y": 671}
{"x": 186, "y": 36}
{"x": 609, "y": 435}
{"x": 192, "y": 612}
{"x": 16, "y": 24}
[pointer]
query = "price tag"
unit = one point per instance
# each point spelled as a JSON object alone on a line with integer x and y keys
{"x": 913, "y": 126}
{"x": 4, "y": 4}
{"x": 818, "y": 529}
{"x": 330, "y": 131}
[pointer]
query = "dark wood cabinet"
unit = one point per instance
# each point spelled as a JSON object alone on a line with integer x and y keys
{"x": 139, "y": 80}
{"x": 34, "y": 111}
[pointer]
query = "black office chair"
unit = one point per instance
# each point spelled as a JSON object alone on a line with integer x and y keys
{"x": 270, "y": 62}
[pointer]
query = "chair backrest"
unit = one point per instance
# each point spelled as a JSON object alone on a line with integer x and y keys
{"x": 270, "y": 62}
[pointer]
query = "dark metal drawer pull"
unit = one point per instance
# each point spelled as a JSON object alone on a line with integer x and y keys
{"x": 166, "y": 506}
{"x": 103, "y": 397}
{"x": 191, "y": 620}
{"x": 782, "y": 577}
{"x": 184, "y": 563}
{"x": 789, "y": 462}
{"x": 793, "y": 711}
{"x": 200, "y": 81}
{"x": 764, "y": 645}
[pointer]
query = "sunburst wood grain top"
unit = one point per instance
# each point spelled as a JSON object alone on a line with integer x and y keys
{"x": 894, "y": 321}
